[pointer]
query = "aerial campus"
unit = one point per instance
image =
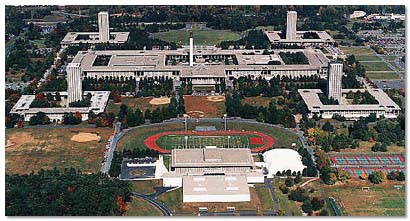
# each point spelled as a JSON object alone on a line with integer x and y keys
{"x": 205, "y": 111}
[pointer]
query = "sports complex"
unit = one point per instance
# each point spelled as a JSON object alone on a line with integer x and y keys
{"x": 166, "y": 141}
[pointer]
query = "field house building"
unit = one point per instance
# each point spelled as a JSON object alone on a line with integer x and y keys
{"x": 213, "y": 174}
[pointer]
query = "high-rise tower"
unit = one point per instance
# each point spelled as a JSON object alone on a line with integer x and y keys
{"x": 191, "y": 49}
{"x": 334, "y": 81}
{"x": 74, "y": 87}
{"x": 291, "y": 25}
{"x": 104, "y": 26}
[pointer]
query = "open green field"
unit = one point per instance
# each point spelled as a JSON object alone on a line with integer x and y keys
{"x": 382, "y": 75}
{"x": 139, "y": 207}
{"x": 288, "y": 207}
{"x": 390, "y": 57}
{"x": 170, "y": 142}
{"x": 135, "y": 138}
{"x": 132, "y": 102}
{"x": 367, "y": 58}
{"x": 32, "y": 149}
{"x": 376, "y": 66}
{"x": 258, "y": 101}
{"x": 358, "y": 51}
{"x": 201, "y": 37}
{"x": 145, "y": 186}
{"x": 265, "y": 198}
{"x": 381, "y": 200}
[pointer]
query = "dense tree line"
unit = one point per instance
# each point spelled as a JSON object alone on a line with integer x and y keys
{"x": 271, "y": 114}
{"x": 65, "y": 193}
{"x": 293, "y": 58}
{"x": 120, "y": 84}
{"x": 158, "y": 86}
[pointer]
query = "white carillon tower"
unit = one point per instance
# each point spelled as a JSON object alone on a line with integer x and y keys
{"x": 191, "y": 49}
{"x": 104, "y": 26}
{"x": 291, "y": 25}
{"x": 74, "y": 87}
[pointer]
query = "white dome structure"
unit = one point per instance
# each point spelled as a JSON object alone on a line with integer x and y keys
{"x": 282, "y": 159}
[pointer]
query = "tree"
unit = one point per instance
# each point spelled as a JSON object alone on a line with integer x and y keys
{"x": 317, "y": 203}
{"x": 298, "y": 178}
{"x": 328, "y": 127}
{"x": 401, "y": 176}
{"x": 289, "y": 182}
{"x": 307, "y": 206}
{"x": 377, "y": 177}
{"x": 324, "y": 212}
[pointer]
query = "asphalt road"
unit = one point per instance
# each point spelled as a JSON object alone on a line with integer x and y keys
{"x": 164, "y": 210}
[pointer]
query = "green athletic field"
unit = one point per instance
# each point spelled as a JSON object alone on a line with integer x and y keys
{"x": 201, "y": 37}
{"x": 170, "y": 142}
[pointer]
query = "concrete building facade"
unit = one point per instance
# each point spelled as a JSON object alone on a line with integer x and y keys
{"x": 104, "y": 26}
{"x": 74, "y": 84}
{"x": 334, "y": 81}
{"x": 291, "y": 23}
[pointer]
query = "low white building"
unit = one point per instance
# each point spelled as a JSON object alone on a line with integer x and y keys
{"x": 215, "y": 189}
{"x": 99, "y": 100}
{"x": 386, "y": 107}
{"x": 357, "y": 14}
{"x": 278, "y": 160}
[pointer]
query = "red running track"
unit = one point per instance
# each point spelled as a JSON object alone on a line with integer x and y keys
{"x": 150, "y": 142}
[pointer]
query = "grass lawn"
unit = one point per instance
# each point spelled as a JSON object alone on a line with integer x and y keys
{"x": 257, "y": 101}
{"x": 32, "y": 149}
{"x": 201, "y": 37}
{"x": 390, "y": 57}
{"x": 376, "y": 66}
{"x": 265, "y": 198}
{"x": 289, "y": 207}
{"x": 381, "y": 200}
{"x": 145, "y": 186}
{"x": 173, "y": 141}
{"x": 132, "y": 102}
{"x": 382, "y": 75}
{"x": 139, "y": 207}
{"x": 135, "y": 138}
{"x": 367, "y": 58}
{"x": 358, "y": 51}
{"x": 173, "y": 200}
{"x": 366, "y": 147}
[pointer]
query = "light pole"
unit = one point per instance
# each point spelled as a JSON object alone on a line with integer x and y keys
{"x": 186, "y": 142}
{"x": 185, "y": 120}
{"x": 229, "y": 137}
{"x": 225, "y": 115}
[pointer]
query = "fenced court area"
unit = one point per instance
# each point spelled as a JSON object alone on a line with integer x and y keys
{"x": 367, "y": 163}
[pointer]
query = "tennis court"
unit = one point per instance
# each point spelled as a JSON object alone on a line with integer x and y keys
{"x": 367, "y": 163}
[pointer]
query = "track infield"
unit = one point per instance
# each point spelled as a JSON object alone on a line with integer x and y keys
{"x": 165, "y": 141}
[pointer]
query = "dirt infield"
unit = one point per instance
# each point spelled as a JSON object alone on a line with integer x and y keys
{"x": 85, "y": 137}
{"x": 204, "y": 106}
{"x": 160, "y": 101}
{"x": 150, "y": 142}
{"x": 215, "y": 98}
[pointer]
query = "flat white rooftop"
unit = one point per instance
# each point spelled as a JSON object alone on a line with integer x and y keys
{"x": 215, "y": 189}
{"x": 323, "y": 37}
{"x": 99, "y": 100}
{"x": 93, "y": 38}
{"x": 155, "y": 60}
{"x": 312, "y": 100}
{"x": 211, "y": 157}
